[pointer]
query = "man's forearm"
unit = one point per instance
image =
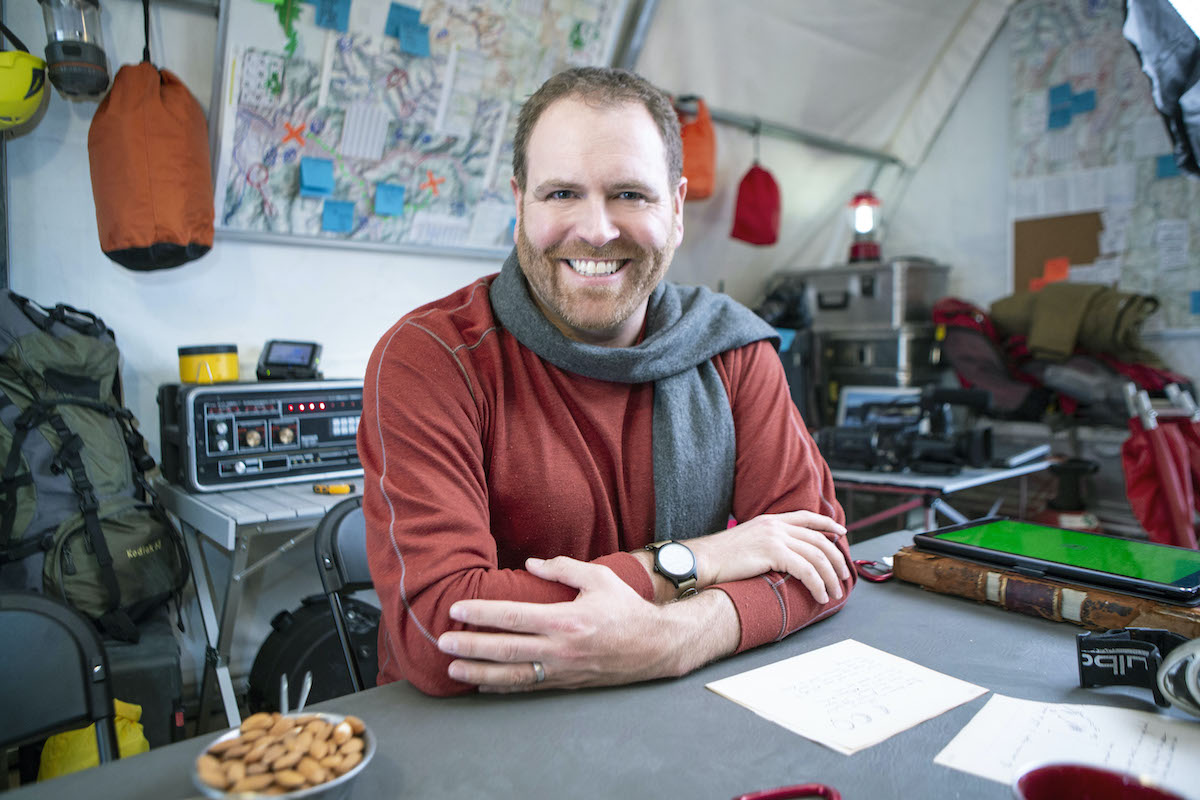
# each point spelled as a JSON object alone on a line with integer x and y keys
{"x": 701, "y": 629}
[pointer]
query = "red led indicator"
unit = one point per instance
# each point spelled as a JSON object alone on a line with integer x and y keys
{"x": 312, "y": 406}
{"x": 322, "y": 406}
{"x": 291, "y": 407}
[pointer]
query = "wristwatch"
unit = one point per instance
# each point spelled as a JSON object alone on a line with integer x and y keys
{"x": 676, "y": 562}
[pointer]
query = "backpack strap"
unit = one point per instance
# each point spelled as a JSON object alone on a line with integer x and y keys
{"x": 115, "y": 623}
{"x": 10, "y": 481}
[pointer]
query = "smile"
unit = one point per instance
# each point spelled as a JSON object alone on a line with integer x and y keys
{"x": 594, "y": 268}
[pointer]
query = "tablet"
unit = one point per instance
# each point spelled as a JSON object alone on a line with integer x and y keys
{"x": 1144, "y": 569}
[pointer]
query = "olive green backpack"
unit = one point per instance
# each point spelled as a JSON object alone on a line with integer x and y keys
{"x": 78, "y": 519}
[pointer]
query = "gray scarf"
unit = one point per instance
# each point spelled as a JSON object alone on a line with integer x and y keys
{"x": 694, "y": 446}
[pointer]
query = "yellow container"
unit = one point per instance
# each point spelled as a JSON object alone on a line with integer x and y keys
{"x": 208, "y": 363}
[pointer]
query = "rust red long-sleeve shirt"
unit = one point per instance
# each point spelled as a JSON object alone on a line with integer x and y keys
{"x": 478, "y": 454}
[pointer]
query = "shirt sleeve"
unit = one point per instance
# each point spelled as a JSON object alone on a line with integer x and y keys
{"x": 425, "y": 501}
{"x": 778, "y": 469}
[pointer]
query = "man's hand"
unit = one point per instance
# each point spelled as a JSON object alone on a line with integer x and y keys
{"x": 607, "y": 636}
{"x": 796, "y": 543}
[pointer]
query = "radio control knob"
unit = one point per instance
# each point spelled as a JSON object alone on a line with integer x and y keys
{"x": 253, "y": 438}
{"x": 221, "y": 428}
{"x": 239, "y": 467}
{"x": 286, "y": 435}
{"x": 222, "y": 445}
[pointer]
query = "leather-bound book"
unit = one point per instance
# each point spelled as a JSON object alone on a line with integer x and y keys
{"x": 1096, "y": 609}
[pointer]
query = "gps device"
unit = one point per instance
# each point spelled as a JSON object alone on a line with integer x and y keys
{"x": 289, "y": 361}
{"x": 1145, "y": 569}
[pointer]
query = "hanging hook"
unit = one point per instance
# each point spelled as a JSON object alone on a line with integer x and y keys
{"x": 755, "y": 131}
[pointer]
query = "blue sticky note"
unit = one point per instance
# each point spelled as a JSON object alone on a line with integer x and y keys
{"x": 389, "y": 200}
{"x": 414, "y": 39}
{"x": 316, "y": 177}
{"x": 1195, "y": 302}
{"x": 333, "y": 14}
{"x": 400, "y": 16}
{"x": 1059, "y": 118}
{"x": 1083, "y": 102}
{"x": 337, "y": 216}
{"x": 1060, "y": 96}
{"x": 1166, "y": 167}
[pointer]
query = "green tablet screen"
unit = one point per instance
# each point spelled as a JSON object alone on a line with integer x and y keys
{"x": 1144, "y": 560}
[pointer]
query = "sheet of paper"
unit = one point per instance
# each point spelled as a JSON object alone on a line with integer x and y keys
{"x": 1009, "y": 734}
{"x": 847, "y": 696}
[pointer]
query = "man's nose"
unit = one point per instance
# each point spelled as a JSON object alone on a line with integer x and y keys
{"x": 595, "y": 224}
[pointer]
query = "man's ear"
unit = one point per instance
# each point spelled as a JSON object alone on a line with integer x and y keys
{"x": 517, "y": 197}
{"x": 677, "y": 200}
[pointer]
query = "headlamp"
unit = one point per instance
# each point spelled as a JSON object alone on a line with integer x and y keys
{"x": 1166, "y": 663}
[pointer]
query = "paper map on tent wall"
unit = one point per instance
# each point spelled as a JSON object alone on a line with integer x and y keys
{"x": 389, "y": 123}
{"x": 1086, "y": 137}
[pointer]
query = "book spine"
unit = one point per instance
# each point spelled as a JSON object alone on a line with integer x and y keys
{"x": 1091, "y": 608}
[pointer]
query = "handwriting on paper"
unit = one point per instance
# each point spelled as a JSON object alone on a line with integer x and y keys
{"x": 1008, "y": 735}
{"x": 847, "y": 696}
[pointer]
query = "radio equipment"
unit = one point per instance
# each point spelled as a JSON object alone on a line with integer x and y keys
{"x": 239, "y": 435}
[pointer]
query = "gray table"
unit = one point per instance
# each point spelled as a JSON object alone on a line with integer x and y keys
{"x": 674, "y": 738}
{"x": 230, "y": 520}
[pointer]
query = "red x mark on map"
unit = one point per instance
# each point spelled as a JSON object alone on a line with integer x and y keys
{"x": 432, "y": 182}
{"x": 294, "y": 133}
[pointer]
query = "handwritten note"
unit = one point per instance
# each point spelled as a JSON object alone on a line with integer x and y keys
{"x": 847, "y": 696}
{"x": 1008, "y": 734}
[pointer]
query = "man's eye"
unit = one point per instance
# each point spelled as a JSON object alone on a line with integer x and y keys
{"x": 561, "y": 194}
{"x": 631, "y": 196}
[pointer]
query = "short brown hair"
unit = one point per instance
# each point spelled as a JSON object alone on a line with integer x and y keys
{"x": 602, "y": 86}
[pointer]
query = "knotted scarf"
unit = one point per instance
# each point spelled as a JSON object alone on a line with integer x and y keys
{"x": 694, "y": 443}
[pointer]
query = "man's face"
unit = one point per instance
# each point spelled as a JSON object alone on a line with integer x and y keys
{"x": 598, "y": 221}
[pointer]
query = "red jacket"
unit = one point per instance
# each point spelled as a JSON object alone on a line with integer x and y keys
{"x": 478, "y": 454}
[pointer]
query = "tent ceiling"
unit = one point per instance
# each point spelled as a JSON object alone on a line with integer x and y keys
{"x": 876, "y": 74}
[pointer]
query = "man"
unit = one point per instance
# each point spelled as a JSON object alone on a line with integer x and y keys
{"x": 526, "y": 438}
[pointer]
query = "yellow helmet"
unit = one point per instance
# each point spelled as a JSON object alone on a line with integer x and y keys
{"x": 22, "y": 82}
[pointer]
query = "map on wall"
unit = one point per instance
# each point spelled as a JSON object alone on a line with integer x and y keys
{"x": 1086, "y": 138}
{"x": 376, "y": 123}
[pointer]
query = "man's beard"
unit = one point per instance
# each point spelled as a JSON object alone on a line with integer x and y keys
{"x": 598, "y": 308}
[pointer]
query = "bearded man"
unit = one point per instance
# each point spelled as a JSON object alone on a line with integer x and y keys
{"x": 578, "y": 473}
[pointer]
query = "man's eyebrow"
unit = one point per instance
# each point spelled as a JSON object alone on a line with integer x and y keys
{"x": 556, "y": 186}
{"x": 632, "y": 186}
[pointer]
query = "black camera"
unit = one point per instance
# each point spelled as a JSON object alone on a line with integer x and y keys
{"x": 911, "y": 433}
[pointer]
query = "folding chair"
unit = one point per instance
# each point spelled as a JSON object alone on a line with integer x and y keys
{"x": 53, "y": 673}
{"x": 341, "y": 548}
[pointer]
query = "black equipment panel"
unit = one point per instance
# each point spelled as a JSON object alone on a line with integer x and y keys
{"x": 236, "y": 435}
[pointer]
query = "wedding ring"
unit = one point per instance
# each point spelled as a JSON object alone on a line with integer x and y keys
{"x": 539, "y": 671}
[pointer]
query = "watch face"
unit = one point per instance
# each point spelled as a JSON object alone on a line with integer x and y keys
{"x": 676, "y": 559}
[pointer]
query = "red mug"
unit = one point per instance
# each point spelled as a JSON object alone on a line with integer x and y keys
{"x": 1085, "y": 782}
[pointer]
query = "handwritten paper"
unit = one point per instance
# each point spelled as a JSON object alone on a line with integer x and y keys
{"x": 1008, "y": 735}
{"x": 847, "y": 696}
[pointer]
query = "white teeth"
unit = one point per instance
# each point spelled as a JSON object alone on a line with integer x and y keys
{"x": 594, "y": 267}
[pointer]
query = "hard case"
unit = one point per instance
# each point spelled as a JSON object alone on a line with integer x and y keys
{"x": 871, "y": 295}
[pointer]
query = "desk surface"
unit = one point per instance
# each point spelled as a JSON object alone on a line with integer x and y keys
{"x": 218, "y": 514}
{"x": 674, "y": 738}
{"x": 945, "y": 484}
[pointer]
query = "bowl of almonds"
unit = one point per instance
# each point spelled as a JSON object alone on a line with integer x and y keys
{"x": 303, "y": 755}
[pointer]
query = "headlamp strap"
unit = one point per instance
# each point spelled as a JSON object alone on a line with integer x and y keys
{"x": 1125, "y": 657}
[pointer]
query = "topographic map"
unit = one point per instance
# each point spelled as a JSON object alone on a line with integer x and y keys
{"x": 1086, "y": 137}
{"x": 387, "y": 132}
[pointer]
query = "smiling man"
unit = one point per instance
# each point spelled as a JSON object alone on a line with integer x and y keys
{"x": 555, "y": 455}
